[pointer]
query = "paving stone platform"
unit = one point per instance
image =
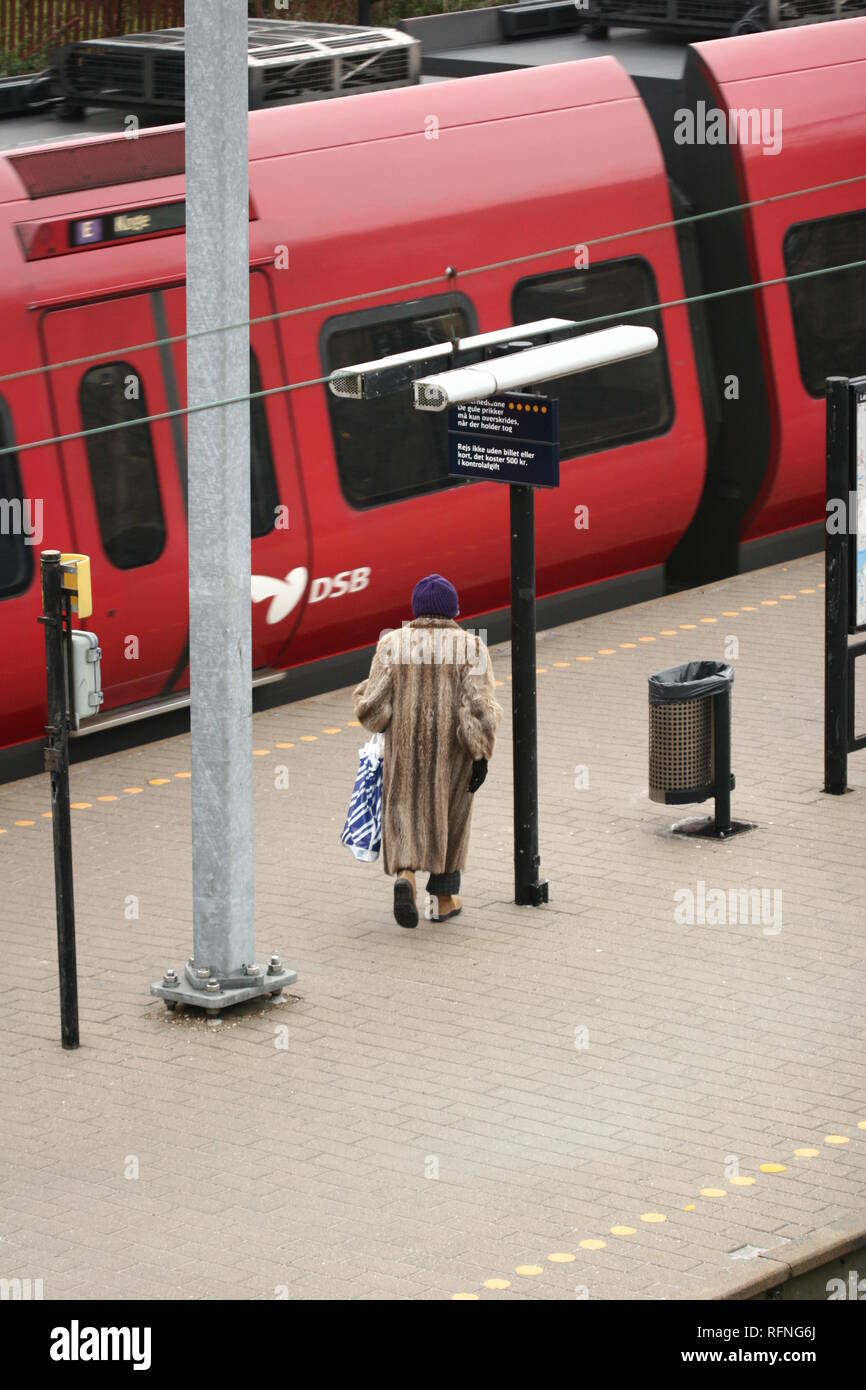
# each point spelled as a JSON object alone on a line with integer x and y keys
{"x": 593, "y": 1099}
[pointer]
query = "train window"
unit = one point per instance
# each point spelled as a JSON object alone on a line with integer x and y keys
{"x": 20, "y": 519}
{"x": 385, "y": 449}
{"x": 263, "y": 484}
{"x": 827, "y": 309}
{"x": 122, "y": 470}
{"x": 615, "y": 404}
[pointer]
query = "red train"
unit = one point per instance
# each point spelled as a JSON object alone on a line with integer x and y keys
{"x": 702, "y": 458}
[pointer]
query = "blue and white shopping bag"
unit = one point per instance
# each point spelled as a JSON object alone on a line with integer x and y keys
{"x": 363, "y": 829}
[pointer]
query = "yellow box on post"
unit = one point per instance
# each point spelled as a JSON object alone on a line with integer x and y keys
{"x": 76, "y": 578}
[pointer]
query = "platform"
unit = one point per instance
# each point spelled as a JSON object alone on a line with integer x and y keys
{"x": 598, "y": 1098}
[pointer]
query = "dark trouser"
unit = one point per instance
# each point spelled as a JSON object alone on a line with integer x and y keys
{"x": 444, "y": 885}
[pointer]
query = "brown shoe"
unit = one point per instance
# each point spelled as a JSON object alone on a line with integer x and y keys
{"x": 448, "y": 907}
{"x": 405, "y": 908}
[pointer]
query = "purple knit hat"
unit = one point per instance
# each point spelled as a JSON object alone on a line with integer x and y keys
{"x": 435, "y": 597}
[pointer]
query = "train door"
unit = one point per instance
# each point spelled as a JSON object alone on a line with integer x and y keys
{"x": 279, "y": 525}
{"x": 125, "y": 482}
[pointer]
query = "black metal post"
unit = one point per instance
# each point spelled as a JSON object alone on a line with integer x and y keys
{"x": 56, "y": 620}
{"x": 722, "y": 761}
{"x": 528, "y": 889}
{"x": 364, "y": 17}
{"x": 836, "y": 592}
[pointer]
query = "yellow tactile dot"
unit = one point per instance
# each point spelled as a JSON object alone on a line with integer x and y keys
{"x": 592, "y": 1244}
{"x": 157, "y": 781}
{"x": 646, "y": 639}
{"x": 742, "y": 1182}
{"x": 653, "y": 1218}
{"x": 3, "y": 831}
{"x": 332, "y": 730}
{"x": 497, "y": 1283}
{"x": 807, "y": 591}
{"x": 541, "y": 670}
{"x": 623, "y": 1230}
{"x": 353, "y": 724}
{"x": 81, "y": 805}
{"x": 23, "y": 823}
{"x": 528, "y": 1271}
{"x": 583, "y": 658}
{"x": 133, "y": 791}
{"x": 508, "y": 678}
{"x": 861, "y": 1124}
{"x": 102, "y": 798}
{"x": 788, "y": 596}
{"x": 628, "y": 646}
{"x": 821, "y": 586}
{"x": 309, "y": 738}
{"x": 709, "y": 620}
{"x": 463, "y": 1297}
{"x": 773, "y": 1168}
{"x": 46, "y": 815}
{"x": 184, "y": 776}
{"x": 836, "y": 1139}
{"x": 688, "y": 627}
{"x": 607, "y": 651}
{"x": 691, "y": 1207}
{"x": 713, "y": 1192}
{"x": 561, "y": 665}
{"x": 284, "y": 745}
{"x": 748, "y": 608}
{"x": 667, "y": 632}
{"x": 261, "y": 752}
{"x": 562, "y": 1257}
{"x": 495, "y": 683}
{"x": 806, "y": 1153}
{"x": 730, "y": 612}
{"x": 769, "y": 603}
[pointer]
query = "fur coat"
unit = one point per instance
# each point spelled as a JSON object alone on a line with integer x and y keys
{"x": 430, "y": 690}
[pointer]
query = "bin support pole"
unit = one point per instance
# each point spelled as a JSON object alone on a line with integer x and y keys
{"x": 528, "y": 889}
{"x": 836, "y": 595}
{"x": 56, "y": 620}
{"x": 722, "y": 761}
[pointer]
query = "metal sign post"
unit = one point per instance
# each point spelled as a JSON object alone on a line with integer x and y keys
{"x": 844, "y": 573}
{"x": 514, "y": 438}
{"x": 57, "y": 621}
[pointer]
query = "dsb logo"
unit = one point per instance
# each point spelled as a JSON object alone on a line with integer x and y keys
{"x": 346, "y": 582}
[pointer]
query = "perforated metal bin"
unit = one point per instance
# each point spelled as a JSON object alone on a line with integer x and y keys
{"x": 682, "y": 740}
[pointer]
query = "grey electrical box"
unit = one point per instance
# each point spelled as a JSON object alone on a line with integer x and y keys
{"x": 86, "y": 694}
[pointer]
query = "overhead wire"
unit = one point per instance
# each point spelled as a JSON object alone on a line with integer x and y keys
{"x": 639, "y": 310}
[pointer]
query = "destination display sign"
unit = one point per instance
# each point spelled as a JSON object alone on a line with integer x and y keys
{"x": 510, "y": 438}
{"x": 165, "y": 217}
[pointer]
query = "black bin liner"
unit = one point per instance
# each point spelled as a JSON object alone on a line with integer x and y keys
{"x": 692, "y": 681}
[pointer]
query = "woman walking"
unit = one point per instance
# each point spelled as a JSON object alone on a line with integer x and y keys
{"x": 430, "y": 690}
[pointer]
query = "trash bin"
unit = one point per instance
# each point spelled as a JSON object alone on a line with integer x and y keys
{"x": 690, "y": 736}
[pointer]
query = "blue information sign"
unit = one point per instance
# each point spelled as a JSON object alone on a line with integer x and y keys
{"x": 511, "y": 438}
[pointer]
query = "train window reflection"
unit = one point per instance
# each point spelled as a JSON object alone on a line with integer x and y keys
{"x": 386, "y": 450}
{"x": 615, "y": 404}
{"x": 122, "y": 470}
{"x": 828, "y": 310}
{"x": 20, "y": 519}
{"x": 263, "y": 484}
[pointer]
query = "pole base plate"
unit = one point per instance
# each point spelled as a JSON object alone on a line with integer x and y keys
{"x": 705, "y": 827}
{"x": 214, "y": 1001}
